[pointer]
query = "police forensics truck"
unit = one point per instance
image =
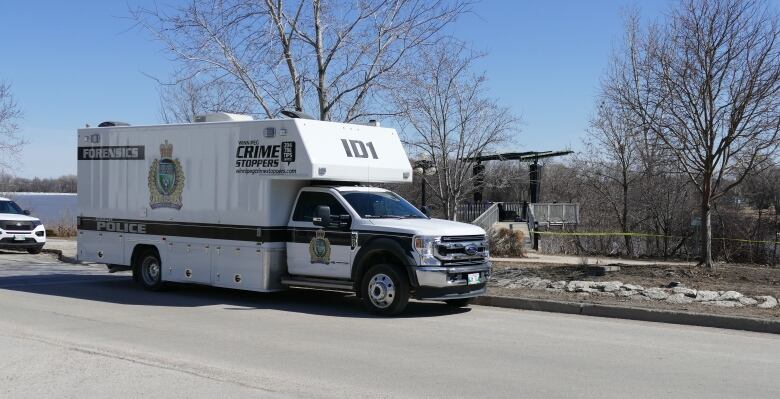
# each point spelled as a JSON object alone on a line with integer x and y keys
{"x": 266, "y": 205}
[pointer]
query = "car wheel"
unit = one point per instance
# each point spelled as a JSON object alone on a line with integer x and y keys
{"x": 149, "y": 270}
{"x": 384, "y": 290}
{"x": 458, "y": 303}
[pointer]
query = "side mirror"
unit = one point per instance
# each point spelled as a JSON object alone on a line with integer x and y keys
{"x": 425, "y": 210}
{"x": 345, "y": 222}
{"x": 322, "y": 216}
{"x": 26, "y": 212}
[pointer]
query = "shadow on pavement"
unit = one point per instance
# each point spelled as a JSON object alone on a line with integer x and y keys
{"x": 120, "y": 289}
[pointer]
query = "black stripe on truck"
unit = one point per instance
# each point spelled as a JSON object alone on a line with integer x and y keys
{"x": 184, "y": 229}
{"x": 213, "y": 231}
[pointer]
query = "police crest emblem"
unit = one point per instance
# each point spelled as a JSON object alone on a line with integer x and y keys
{"x": 319, "y": 248}
{"x": 166, "y": 180}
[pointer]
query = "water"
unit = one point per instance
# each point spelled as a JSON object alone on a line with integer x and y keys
{"x": 51, "y": 208}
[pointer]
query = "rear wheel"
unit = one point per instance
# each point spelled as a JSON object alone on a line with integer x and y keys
{"x": 384, "y": 290}
{"x": 458, "y": 303}
{"x": 149, "y": 270}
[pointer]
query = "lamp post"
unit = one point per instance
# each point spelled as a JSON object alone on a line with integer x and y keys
{"x": 424, "y": 168}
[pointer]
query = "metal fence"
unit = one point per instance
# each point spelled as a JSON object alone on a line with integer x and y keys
{"x": 470, "y": 211}
{"x": 556, "y": 214}
{"x": 488, "y": 218}
{"x": 546, "y": 214}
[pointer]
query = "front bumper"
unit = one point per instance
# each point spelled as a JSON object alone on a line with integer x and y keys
{"x": 23, "y": 239}
{"x": 451, "y": 282}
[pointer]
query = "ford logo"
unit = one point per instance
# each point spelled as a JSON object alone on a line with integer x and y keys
{"x": 471, "y": 249}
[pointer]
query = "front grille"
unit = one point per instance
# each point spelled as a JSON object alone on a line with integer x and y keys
{"x": 461, "y": 248}
{"x": 477, "y": 237}
{"x": 17, "y": 226}
{"x": 11, "y": 240}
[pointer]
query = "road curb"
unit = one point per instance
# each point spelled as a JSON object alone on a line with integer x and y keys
{"x": 632, "y": 313}
{"x": 60, "y": 256}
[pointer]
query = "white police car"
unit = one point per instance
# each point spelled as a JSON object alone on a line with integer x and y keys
{"x": 19, "y": 230}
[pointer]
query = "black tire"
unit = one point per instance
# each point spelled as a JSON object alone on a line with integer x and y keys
{"x": 384, "y": 290}
{"x": 458, "y": 303}
{"x": 148, "y": 271}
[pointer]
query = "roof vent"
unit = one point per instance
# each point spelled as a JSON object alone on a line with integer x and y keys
{"x": 222, "y": 117}
{"x": 296, "y": 114}
{"x": 112, "y": 124}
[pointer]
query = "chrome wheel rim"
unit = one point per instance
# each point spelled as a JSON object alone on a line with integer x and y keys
{"x": 151, "y": 270}
{"x": 381, "y": 290}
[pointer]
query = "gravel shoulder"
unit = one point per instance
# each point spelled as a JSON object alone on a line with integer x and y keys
{"x": 736, "y": 290}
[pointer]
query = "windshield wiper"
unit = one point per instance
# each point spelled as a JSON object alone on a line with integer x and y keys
{"x": 383, "y": 217}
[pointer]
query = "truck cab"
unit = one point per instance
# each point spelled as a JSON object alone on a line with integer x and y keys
{"x": 372, "y": 241}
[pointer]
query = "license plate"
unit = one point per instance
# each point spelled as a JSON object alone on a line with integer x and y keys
{"x": 473, "y": 278}
{"x": 19, "y": 238}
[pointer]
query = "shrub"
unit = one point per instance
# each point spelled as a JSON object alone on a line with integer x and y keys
{"x": 505, "y": 242}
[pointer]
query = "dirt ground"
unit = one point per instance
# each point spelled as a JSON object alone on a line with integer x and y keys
{"x": 750, "y": 280}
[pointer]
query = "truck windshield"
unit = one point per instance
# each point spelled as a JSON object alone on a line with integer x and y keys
{"x": 10, "y": 207}
{"x": 384, "y": 204}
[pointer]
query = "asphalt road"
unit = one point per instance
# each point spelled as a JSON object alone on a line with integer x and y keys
{"x": 76, "y": 331}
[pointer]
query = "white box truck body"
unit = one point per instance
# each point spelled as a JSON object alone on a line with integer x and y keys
{"x": 265, "y": 205}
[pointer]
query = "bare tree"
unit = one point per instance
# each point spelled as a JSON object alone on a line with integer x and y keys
{"x": 10, "y": 143}
{"x": 450, "y": 119}
{"x": 708, "y": 88}
{"x": 333, "y": 56}
{"x": 182, "y": 101}
{"x": 611, "y": 160}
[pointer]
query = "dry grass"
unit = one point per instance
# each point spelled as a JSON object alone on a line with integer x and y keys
{"x": 64, "y": 227}
{"x": 505, "y": 242}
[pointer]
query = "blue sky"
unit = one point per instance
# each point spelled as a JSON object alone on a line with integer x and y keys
{"x": 77, "y": 62}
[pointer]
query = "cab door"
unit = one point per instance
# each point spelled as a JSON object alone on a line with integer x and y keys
{"x": 316, "y": 251}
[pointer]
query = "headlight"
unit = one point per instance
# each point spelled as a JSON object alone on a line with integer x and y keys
{"x": 36, "y": 223}
{"x": 424, "y": 246}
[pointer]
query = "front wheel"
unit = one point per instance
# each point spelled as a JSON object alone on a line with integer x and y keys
{"x": 149, "y": 269}
{"x": 384, "y": 290}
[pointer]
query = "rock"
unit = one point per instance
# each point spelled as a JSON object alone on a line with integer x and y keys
{"x": 730, "y": 296}
{"x": 512, "y": 286}
{"x": 725, "y": 304}
{"x": 747, "y": 301}
{"x": 655, "y": 293}
{"x": 632, "y": 287}
{"x": 580, "y": 286}
{"x": 554, "y": 290}
{"x": 558, "y": 285}
{"x": 541, "y": 284}
{"x": 768, "y": 302}
{"x": 527, "y": 282}
{"x": 690, "y": 292}
{"x": 705, "y": 296}
{"x": 640, "y": 298}
{"x": 503, "y": 282}
{"x": 608, "y": 286}
{"x": 603, "y": 294}
{"x": 679, "y": 298}
{"x": 625, "y": 293}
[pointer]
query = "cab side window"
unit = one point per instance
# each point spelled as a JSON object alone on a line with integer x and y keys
{"x": 308, "y": 202}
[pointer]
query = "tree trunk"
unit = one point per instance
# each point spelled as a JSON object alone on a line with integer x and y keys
{"x": 624, "y": 222}
{"x": 706, "y": 235}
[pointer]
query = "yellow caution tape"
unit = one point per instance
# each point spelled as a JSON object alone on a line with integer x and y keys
{"x": 634, "y": 234}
